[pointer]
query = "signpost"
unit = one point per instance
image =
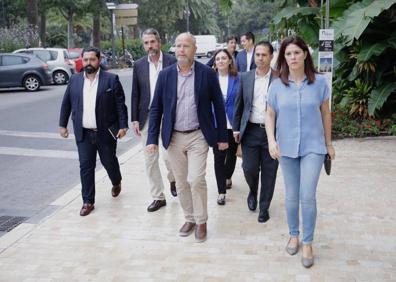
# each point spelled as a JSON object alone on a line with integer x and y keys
{"x": 121, "y": 15}
{"x": 326, "y": 47}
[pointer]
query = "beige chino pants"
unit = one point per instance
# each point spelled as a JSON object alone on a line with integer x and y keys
{"x": 153, "y": 171}
{"x": 187, "y": 154}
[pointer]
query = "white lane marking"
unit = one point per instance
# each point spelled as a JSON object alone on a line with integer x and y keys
{"x": 47, "y": 135}
{"x": 58, "y": 154}
{"x": 31, "y": 134}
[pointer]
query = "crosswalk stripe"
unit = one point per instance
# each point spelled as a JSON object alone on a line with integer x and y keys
{"x": 58, "y": 154}
{"x": 47, "y": 135}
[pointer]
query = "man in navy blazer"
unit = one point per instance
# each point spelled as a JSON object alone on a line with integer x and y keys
{"x": 96, "y": 102}
{"x": 145, "y": 74}
{"x": 183, "y": 100}
{"x": 245, "y": 58}
{"x": 249, "y": 130}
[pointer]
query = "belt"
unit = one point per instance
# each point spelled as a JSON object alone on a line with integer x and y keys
{"x": 186, "y": 131}
{"x": 91, "y": 129}
{"x": 262, "y": 125}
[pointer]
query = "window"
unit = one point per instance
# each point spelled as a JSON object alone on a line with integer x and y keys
{"x": 54, "y": 55}
{"x": 44, "y": 55}
{"x": 74, "y": 55}
{"x": 12, "y": 60}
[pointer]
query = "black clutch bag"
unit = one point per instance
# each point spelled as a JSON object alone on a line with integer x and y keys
{"x": 327, "y": 164}
{"x": 113, "y": 129}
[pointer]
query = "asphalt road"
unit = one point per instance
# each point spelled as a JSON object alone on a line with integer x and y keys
{"x": 36, "y": 164}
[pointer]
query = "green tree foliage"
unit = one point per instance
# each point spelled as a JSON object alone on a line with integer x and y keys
{"x": 364, "y": 52}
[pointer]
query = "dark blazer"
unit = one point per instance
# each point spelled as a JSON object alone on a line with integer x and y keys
{"x": 244, "y": 101}
{"x": 140, "y": 98}
{"x": 110, "y": 110}
{"x": 241, "y": 61}
{"x": 207, "y": 93}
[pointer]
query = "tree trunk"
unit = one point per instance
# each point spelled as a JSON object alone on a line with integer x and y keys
{"x": 70, "y": 41}
{"x": 96, "y": 30}
{"x": 43, "y": 29}
{"x": 32, "y": 12}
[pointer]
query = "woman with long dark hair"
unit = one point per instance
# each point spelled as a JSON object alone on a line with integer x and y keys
{"x": 224, "y": 161}
{"x": 299, "y": 112}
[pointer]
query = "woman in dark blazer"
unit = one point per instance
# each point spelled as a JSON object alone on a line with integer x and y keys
{"x": 224, "y": 161}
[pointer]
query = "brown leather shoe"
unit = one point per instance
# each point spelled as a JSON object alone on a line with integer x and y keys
{"x": 116, "y": 190}
{"x": 200, "y": 233}
{"x": 86, "y": 209}
{"x": 186, "y": 229}
{"x": 156, "y": 205}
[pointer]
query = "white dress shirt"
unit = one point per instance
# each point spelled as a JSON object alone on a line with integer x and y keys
{"x": 249, "y": 57}
{"x": 223, "y": 80}
{"x": 154, "y": 71}
{"x": 261, "y": 83}
{"x": 89, "y": 101}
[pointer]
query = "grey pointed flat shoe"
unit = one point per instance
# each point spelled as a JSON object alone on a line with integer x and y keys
{"x": 291, "y": 250}
{"x": 307, "y": 262}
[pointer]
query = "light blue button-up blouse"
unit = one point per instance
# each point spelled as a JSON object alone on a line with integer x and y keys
{"x": 299, "y": 127}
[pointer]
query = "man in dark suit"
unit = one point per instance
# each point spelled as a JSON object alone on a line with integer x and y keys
{"x": 232, "y": 42}
{"x": 184, "y": 97}
{"x": 249, "y": 130}
{"x": 145, "y": 74}
{"x": 245, "y": 59}
{"x": 96, "y": 101}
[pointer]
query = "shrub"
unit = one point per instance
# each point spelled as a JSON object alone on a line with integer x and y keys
{"x": 392, "y": 130}
{"x": 346, "y": 126}
{"x": 18, "y": 36}
{"x": 134, "y": 46}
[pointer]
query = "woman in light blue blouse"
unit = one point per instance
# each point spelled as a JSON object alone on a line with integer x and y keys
{"x": 298, "y": 111}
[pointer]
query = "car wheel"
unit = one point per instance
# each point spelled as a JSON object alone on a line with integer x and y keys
{"x": 209, "y": 55}
{"x": 60, "y": 77}
{"x": 31, "y": 82}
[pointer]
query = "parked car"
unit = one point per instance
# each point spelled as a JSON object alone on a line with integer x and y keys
{"x": 76, "y": 55}
{"x": 23, "y": 70}
{"x": 58, "y": 61}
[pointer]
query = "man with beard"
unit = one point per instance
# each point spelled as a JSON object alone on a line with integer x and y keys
{"x": 145, "y": 74}
{"x": 96, "y": 101}
{"x": 187, "y": 101}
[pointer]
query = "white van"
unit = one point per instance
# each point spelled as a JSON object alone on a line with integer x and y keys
{"x": 206, "y": 45}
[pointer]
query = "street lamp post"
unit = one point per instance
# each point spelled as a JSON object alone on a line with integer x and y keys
{"x": 187, "y": 13}
{"x": 111, "y": 6}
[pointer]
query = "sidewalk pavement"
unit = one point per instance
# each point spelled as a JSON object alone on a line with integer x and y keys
{"x": 120, "y": 241}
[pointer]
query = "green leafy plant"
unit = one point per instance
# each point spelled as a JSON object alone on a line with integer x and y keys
{"x": 356, "y": 99}
{"x": 392, "y": 130}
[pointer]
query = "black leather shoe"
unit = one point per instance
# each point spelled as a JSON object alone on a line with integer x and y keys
{"x": 263, "y": 216}
{"x": 173, "y": 188}
{"x": 156, "y": 205}
{"x": 116, "y": 190}
{"x": 228, "y": 183}
{"x": 252, "y": 201}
